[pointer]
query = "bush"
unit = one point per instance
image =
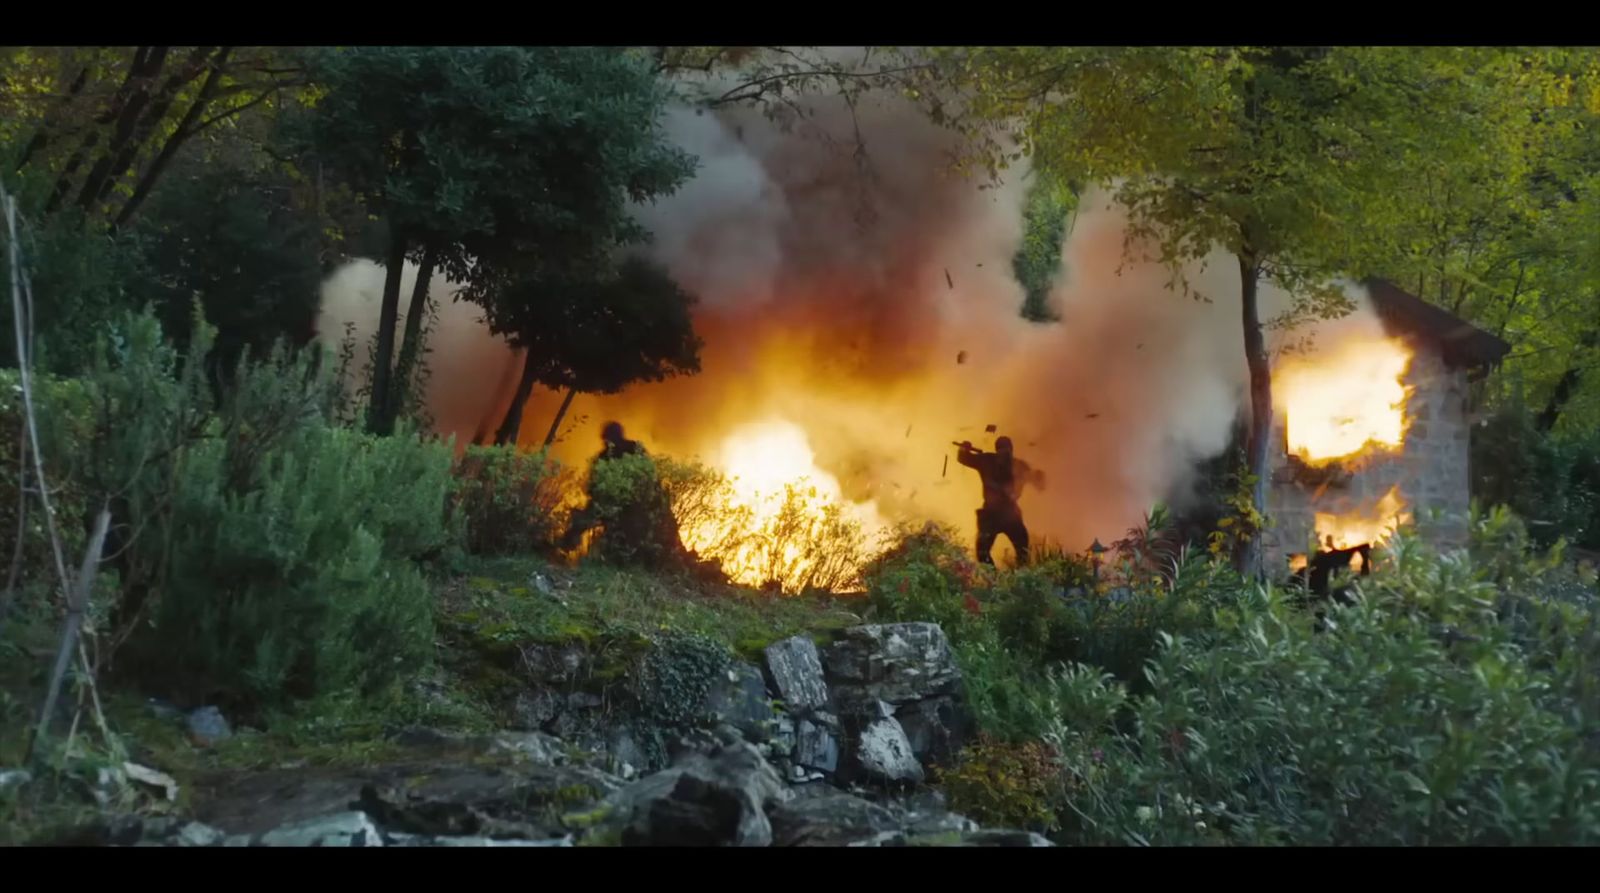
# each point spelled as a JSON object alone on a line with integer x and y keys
{"x": 1551, "y": 479}
{"x": 306, "y": 584}
{"x": 927, "y": 577}
{"x": 634, "y": 511}
{"x": 260, "y": 552}
{"x": 1413, "y": 717}
{"x": 1006, "y": 785}
{"x": 794, "y": 544}
{"x": 509, "y": 502}
{"x": 64, "y": 415}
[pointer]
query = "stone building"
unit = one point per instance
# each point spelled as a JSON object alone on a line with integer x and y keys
{"x": 1431, "y": 474}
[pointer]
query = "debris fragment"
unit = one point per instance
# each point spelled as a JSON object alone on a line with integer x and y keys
{"x": 961, "y": 358}
{"x": 990, "y": 429}
{"x": 948, "y": 281}
{"x": 150, "y": 777}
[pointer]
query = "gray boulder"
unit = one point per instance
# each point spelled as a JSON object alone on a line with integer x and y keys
{"x": 207, "y": 726}
{"x": 815, "y": 747}
{"x": 829, "y": 818}
{"x": 718, "y": 798}
{"x": 354, "y": 829}
{"x": 884, "y": 754}
{"x": 937, "y": 728}
{"x": 739, "y": 698}
{"x": 797, "y": 675}
{"x": 894, "y": 662}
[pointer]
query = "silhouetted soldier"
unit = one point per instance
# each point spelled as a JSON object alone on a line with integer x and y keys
{"x": 644, "y": 524}
{"x": 1003, "y": 476}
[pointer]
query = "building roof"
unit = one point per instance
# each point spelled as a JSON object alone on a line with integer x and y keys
{"x": 1461, "y": 343}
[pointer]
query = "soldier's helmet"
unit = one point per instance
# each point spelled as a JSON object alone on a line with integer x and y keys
{"x": 1002, "y": 445}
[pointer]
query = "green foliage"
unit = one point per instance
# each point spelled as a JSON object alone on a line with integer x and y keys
{"x": 261, "y": 554}
{"x": 600, "y": 333}
{"x": 675, "y": 676}
{"x": 80, "y": 281}
{"x": 64, "y": 421}
{"x": 1046, "y": 220}
{"x": 293, "y": 565}
{"x": 233, "y": 239}
{"x": 496, "y": 165}
{"x": 1005, "y": 785}
{"x": 634, "y": 511}
{"x": 1550, "y": 479}
{"x": 510, "y": 502}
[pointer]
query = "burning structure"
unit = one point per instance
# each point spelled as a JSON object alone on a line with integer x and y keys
{"x": 1374, "y": 428}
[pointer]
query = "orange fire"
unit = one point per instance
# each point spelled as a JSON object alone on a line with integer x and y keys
{"x": 782, "y": 509}
{"x": 1372, "y": 525}
{"x": 1342, "y": 401}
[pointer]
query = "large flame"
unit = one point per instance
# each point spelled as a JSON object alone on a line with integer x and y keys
{"x": 1371, "y": 525}
{"x": 783, "y": 505}
{"x": 1346, "y": 399}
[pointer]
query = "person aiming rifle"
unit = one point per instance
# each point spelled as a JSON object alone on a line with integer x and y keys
{"x": 1003, "y": 476}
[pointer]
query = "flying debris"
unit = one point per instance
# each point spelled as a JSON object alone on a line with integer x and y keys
{"x": 961, "y": 358}
{"x": 948, "y": 281}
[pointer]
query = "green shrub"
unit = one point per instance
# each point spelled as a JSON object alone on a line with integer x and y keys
{"x": 628, "y": 501}
{"x": 305, "y": 584}
{"x": 510, "y": 502}
{"x": 1551, "y": 479}
{"x": 63, "y": 412}
{"x": 1411, "y": 718}
{"x": 1005, "y": 785}
{"x": 927, "y": 577}
{"x": 262, "y": 553}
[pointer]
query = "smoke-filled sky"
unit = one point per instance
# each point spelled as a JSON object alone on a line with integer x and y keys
{"x": 837, "y": 295}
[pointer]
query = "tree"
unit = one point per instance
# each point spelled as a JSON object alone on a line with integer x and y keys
{"x": 108, "y": 122}
{"x": 1297, "y": 161}
{"x": 597, "y": 335}
{"x": 235, "y": 240}
{"x": 485, "y": 158}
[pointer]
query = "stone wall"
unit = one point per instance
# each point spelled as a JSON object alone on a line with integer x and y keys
{"x": 1432, "y": 471}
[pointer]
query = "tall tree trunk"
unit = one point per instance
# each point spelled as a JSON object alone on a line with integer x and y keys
{"x": 512, "y": 426}
{"x": 121, "y": 158}
{"x": 555, "y": 424}
{"x": 1255, "y": 352}
{"x": 379, "y": 421}
{"x": 411, "y": 343}
{"x": 127, "y": 124}
{"x": 185, "y": 129}
{"x": 113, "y": 109}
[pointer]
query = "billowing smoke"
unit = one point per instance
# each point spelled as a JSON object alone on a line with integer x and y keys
{"x": 868, "y": 297}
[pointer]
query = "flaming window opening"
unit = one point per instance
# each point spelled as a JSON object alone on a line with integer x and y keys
{"x": 1345, "y": 402}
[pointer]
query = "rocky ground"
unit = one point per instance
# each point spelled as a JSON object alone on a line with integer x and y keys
{"x": 686, "y": 723}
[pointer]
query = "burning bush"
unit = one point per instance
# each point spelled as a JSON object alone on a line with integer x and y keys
{"x": 795, "y": 543}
